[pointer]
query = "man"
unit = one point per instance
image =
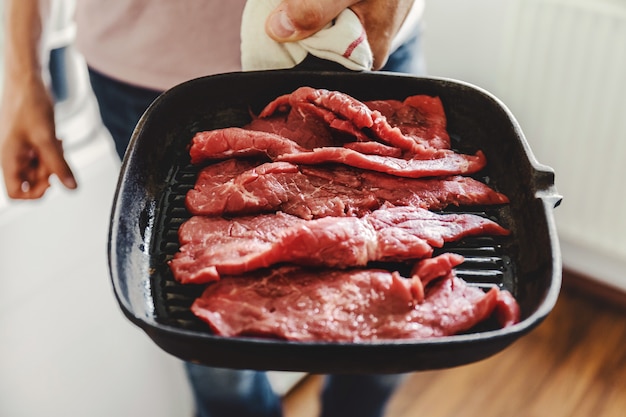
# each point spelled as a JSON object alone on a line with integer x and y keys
{"x": 135, "y": 49}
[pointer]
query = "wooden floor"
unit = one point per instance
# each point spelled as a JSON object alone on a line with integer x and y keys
{"x": 571, "y": 365}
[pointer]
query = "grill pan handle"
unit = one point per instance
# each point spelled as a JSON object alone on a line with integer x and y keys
{"x": 543, "y": 179}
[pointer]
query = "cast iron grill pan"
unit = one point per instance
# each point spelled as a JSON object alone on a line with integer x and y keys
{"x": 156, "y": 175}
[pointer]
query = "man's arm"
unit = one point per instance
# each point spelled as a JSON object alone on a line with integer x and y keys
{"x": 29, "y": 150}
{"x": 297, "y": 19}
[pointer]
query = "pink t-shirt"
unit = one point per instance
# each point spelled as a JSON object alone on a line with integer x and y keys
{"x": 123, "y": 38}
{"x": 160, "y": 43}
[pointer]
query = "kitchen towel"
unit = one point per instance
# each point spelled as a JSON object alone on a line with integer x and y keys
{"x": 343, "y": 41}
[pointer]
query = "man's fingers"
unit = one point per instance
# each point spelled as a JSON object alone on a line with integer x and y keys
{"x": 15, "y": 184}
{"x": 293, "y": 20}
{"x": 23, "y": 176}
{"x": 52, "y": 158}
{"x": 35, "y": 187}
{"x": 27, "y": 176}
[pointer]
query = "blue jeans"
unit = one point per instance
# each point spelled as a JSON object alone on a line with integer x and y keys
{"x": 225, "y": 392}
{"x": 121, "y": 106}
{"x": 409, "y": 57}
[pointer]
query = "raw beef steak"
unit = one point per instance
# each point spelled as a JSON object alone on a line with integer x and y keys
{"x": 214, "y": 246}
{"x": 354, "y": 305}
{"x": 240, "y": 187}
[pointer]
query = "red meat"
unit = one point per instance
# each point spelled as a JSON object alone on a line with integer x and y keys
{"x": 235, "y": 142}
{"x": 304, "y": 129}
{"x": 241, "y": 187}
{"x": 374, "y": 148}
{"x": 214, "y": 246}
{"x": 421, "y": 116}
{"x": 447, "y": 163}
{"x": 349, "y": 183}
{"x": 332, "y": 305}
{"x": 235, "y": 187}
{"x": 231, "y": 142}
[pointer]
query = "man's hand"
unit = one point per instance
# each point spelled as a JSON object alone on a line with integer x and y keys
{"x": 293, "y": 20}
{"x": 29, "y": 150}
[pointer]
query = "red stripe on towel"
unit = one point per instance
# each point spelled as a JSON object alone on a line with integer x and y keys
{"x": 354, "y": 45}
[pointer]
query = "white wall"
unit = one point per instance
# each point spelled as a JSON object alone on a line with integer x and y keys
{"x": 559, "y": 66}
{"x": 464, "y": 39}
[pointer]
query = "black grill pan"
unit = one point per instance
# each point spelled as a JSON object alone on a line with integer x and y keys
{"x": 156, "y": 173}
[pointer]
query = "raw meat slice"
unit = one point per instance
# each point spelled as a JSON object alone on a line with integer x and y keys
{"x": 343, "y": 105}
{"x": 374, "y": 148}
{"x": 507, "y": 310}
{"x": 421, "y": 117}
{"x": 349, "y": 115}
{"x": 231, "y": 142}
{"x": 448, "y": 162}
{"x": 306, "y": 305}
{"x": 429, "y": 269}
{"x": 332, "y": 305}
{"x": 235, "y": 187}
{"x": 214, "y": 246}
{"x": 235, "y": 142}
{"x": 436, "y": 229}
{"x": 304, "y": 129}
{"x": 439, "y": 266}
{"x": 430, "y": 193}
{"x": 201, "y": 237}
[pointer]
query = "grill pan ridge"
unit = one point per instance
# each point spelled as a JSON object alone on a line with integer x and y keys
{"x": 156, "y": 176}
